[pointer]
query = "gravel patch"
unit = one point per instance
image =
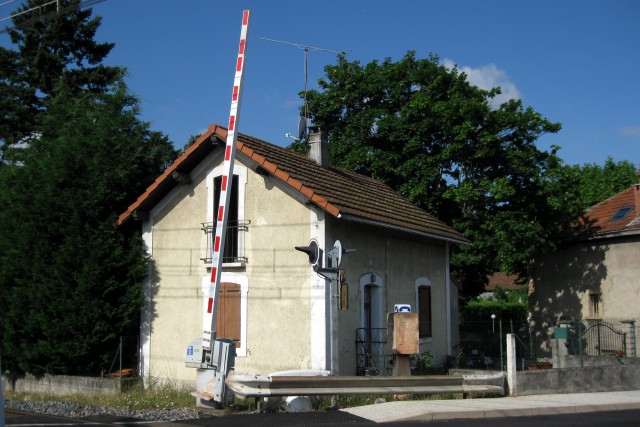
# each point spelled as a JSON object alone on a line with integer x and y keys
{"x": 76, "y": 410}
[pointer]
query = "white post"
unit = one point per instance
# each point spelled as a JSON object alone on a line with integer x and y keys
{"x": 511, "y": 364}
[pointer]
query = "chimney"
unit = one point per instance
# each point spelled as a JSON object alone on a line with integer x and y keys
{"x": 318, "y": 146}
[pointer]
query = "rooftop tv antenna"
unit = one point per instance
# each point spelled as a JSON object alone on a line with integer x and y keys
{"x": 302, "y": 124}
{"x": 42, "y": 12}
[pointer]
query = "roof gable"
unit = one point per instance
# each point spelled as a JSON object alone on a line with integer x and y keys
{"x": 619, "y": 214}
{"x": 341, "y": 193}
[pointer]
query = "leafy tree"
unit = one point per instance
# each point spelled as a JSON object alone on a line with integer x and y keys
{"x": 475, "y": 309}
{"x": 53, "y": 45}
{"x": 426, "y": 132}
{"x": 70, "y": 282}
{"x": 598, "y": 183}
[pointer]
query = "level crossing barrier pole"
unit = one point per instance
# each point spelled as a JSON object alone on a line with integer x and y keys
{"x": 209, "y": 318}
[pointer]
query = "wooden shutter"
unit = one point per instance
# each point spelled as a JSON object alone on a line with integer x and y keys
{"x": 228, "y": 317}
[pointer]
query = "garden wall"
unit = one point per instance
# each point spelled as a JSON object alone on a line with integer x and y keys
{"x": 60, "y": 385}
{"x": 578, "y": 380}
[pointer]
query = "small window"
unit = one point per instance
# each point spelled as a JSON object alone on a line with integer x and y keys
{"x": 621, "y": 213}
{"x": 424, "y": 311}
{"x": 236, "y": 228}
{"x": 594, "y": 306}
{"x": 230, "y": 253}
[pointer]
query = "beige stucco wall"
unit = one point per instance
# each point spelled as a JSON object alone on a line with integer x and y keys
{"x": 278, "y": 319}
{"x": 562, "y": 281}
{"x": 397, "y": 261}
{"x": 286, "y": 314}
{"x": 176, "y": 295}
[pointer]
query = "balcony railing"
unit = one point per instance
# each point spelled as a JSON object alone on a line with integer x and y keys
{"x": 234, "y": 242}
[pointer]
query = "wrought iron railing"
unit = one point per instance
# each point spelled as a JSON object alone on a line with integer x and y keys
{"x": 234, "y": 242}
{"x": 599, "y": 338}
{"x": 371, "y": 352}
{"x": 585, "y": 342}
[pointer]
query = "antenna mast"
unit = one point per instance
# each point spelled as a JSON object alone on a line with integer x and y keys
{"x": 41, "y": 14}
{"x": 302, "y": 130}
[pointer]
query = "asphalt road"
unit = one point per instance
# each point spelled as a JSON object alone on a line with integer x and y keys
{"x": 337, "y": 419}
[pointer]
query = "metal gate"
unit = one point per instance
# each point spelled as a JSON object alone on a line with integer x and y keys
{"x": 601, "y": 338}
{"x": 372, "y": 359}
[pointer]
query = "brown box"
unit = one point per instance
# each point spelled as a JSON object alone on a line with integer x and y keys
{"x": 403, "y": 328}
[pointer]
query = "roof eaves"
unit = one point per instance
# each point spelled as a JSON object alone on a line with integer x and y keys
{"x": 451, "y": 239}
{"x": 302, "y": 184}
{"x": 611, "y": 234}
{"x": 166, "y": 175}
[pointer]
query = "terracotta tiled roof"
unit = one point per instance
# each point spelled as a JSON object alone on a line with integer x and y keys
{"x": 618, "y": 214}
{"x": 505, "y": 281}
{"x": 342, "y": 194}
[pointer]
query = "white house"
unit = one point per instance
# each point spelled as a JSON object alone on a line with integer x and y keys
{"x": 281, "y": 314}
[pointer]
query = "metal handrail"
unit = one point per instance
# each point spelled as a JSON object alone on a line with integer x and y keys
{"x": 245, "y": 386}
{"x": 234, "y": 243}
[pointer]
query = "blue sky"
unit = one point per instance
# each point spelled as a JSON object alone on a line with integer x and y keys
{"x": 575, "y": 62}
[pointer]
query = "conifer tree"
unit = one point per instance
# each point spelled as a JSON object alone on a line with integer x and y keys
{"x": 70, "y": 282}
{"x": 55, "y": 41}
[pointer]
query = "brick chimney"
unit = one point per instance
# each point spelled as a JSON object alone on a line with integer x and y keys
{"x": 318, "y": 146}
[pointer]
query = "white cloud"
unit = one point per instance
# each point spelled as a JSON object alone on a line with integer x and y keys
{"x": 633, "y": 131}
{"x": 487, "y": 77}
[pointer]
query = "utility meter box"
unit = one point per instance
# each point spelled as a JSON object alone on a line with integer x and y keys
{"x": 195, "y": 356}
{"x": 561, "y": 333}
{"x": 404, "y": 330}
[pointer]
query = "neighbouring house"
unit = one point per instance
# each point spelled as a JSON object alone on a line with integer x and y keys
{"x": 504, "y": 281}
{"x": 280, "y": 313}
{"x": 596, "y": 276}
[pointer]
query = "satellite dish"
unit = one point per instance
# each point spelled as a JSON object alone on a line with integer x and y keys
{"x": 302, "y": 129}
{"x": 312, "y": 250}
{"x": 335, "y": 256}
{"x": 337, "y": 253}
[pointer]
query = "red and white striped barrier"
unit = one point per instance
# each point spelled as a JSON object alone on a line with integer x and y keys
{"x": 209, "y": 318}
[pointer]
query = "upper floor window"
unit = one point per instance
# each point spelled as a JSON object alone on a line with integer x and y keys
{"x": 595, "y": 306}
{"x": 233, "y": 253}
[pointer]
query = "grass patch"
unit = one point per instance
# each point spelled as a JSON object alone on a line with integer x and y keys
{"x": 135, "y": 397}
{"x": 167, "y": 396}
